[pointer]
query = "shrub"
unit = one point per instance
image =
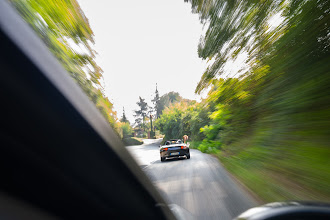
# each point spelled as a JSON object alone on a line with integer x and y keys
{"x": 132, "y": 141}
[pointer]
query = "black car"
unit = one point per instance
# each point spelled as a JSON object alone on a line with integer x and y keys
{"x": 174, "y": 148}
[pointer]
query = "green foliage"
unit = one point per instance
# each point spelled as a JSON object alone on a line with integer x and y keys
{"x": 184, "y": 118}
{"x": 170, "y": 121}
{"x": 210, "y": 147}
{"x": 271, "y": 120}
{"x": 62, "y": 26}
{"x": 167, "y": 99}
{"x": 125, "y": 129}
{"x": 194, "y": 144}
{"x": 130, "y": 141}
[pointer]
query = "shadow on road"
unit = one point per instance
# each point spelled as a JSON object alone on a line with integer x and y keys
{"x": 170, "y": 160}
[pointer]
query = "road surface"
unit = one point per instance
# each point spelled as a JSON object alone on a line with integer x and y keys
{"x": 199, "y": 185}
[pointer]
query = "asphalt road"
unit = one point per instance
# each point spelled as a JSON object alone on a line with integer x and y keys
{"x": 199, "y": 185}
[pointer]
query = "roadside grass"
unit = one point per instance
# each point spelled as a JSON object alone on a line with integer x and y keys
{"x": 293, "y": 170}
{"x": 268, "y": 185}
{"x": 163, "y": 141}
{"x": 132, "y": 141}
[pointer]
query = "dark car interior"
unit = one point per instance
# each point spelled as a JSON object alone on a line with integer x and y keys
{"x": 59, "y": 157}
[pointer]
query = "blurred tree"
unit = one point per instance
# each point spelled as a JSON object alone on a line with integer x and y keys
{"x": 273, "y": 115}
{"x": 63, "y": 26}
{"x": 124, "y": 119}
{"x": 182, "y": 118}
{"x": 126, "y": 129}
{"x": 141, "y": 114}
{"x": 138, "y": 122}
{"x": 156, "y": 102}
{"x": 167, "y": 99}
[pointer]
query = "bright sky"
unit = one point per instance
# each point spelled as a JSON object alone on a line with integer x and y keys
{"x": 141, "y": 43}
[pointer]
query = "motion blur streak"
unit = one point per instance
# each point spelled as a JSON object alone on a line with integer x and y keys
{"x": 270, "y": 122}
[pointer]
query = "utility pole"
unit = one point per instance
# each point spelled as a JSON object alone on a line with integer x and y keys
{"x": 151, "y": 122}
{"x": 151, "y": 127}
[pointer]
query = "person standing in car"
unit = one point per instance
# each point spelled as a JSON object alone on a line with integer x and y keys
{"x": 185, "y": 138}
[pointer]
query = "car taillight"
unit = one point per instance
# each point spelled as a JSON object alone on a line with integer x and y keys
{"x": 165, "y": 148}
{"x": 183, "y": 147}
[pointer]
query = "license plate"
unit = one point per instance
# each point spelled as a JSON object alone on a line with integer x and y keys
{"x": 175, "y": 153}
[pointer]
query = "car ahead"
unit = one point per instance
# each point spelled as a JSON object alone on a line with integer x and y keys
{"x": 174, "y": 148}
{"x": 60, "y": 159}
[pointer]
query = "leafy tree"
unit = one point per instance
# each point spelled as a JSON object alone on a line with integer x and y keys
{"x": 181, "y": 118}
{"x": 170, "y": 121}
{"x": 126, "y": 129}
{"x": 235, "y": 28}
{"x": 273, "y": 115}
{"x": 198, "y": 118}
{"x": 57, "y": 23}
{"x": 167, "y": 99}
{"x": 60, "y": 24}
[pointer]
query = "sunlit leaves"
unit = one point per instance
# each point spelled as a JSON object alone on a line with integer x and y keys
{"x": 234, "y": 28}
{"x": 65, "y": 30}
{"x": 60, "y": 24}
